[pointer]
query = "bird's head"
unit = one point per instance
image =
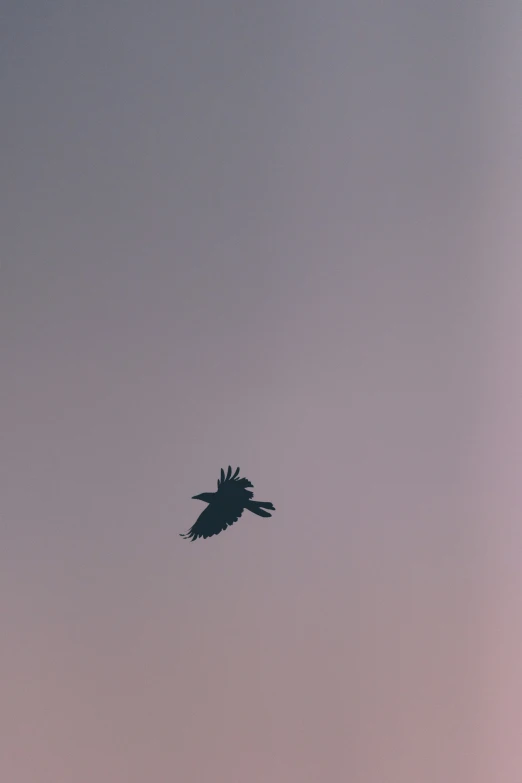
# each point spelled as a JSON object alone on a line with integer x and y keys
{"x": 206, "y": 497}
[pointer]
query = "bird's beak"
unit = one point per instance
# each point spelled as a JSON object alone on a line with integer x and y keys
{"x": 196, "y": 497}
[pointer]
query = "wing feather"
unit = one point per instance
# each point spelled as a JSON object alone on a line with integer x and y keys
{"x": 229, "y": 477}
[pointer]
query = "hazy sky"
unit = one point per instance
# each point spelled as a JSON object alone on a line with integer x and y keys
{"x": 283, "y": 236}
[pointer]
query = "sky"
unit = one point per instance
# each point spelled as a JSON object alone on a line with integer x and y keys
{"x": 281, "y": 236}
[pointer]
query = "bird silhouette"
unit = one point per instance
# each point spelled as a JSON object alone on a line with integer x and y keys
{"x": 225, "y": 506}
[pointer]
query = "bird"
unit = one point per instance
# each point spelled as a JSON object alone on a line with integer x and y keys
{"x": 226, "y": 506}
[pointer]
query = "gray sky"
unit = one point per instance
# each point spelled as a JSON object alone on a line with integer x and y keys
{"x": 259, "y": 234}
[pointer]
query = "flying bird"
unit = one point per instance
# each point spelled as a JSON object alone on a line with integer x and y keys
{"x": 225, "y": 506}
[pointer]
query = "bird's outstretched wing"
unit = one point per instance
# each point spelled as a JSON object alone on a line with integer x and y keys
{"x": 228, "y": 477}
{"x": 231, "y": 486}
{"x": 213, "y": 520}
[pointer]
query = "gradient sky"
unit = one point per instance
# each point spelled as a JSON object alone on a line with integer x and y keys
{"x": 283, "y": 236}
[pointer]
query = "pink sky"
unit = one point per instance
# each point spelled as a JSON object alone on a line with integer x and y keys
{"x": 284, "y": 237}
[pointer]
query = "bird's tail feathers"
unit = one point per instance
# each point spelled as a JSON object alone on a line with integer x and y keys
{"x": 257, "y": 506}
